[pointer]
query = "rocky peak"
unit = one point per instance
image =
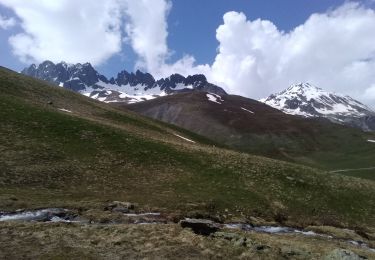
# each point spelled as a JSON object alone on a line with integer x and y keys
{"x": 126, "y": 86}
{"x": 134, "y": 79}
{"x": 306, "y": 100}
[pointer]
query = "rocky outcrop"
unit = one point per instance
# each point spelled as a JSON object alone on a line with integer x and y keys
{"x": 343, "y": 254}
{"x": 127, "y": 87}
{"x": 306, "y": 100}
{"x": 200, "y": 226}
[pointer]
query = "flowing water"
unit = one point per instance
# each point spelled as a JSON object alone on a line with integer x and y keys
{"x": 65, "y": 215}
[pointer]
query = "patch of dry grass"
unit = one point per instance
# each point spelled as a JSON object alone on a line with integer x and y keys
{"x": 73, "y": 241}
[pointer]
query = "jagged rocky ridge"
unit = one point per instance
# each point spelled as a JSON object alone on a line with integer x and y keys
{"x": 126, "y": 87}
{"x": 306, "y": 100}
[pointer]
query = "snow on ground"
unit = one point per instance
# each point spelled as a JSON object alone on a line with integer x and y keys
{"x": 65, "y": 110}
{"x": 132, "y": 94}
{"x": 247, "y": 110}
{"x": 214, "y": 98}
{"x": 95, "y": 96}
{"x": 184, "y": 138}
{"x": 371, "y": 141}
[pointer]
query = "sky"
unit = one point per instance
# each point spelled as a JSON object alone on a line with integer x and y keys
{"x": 249, "y": 47}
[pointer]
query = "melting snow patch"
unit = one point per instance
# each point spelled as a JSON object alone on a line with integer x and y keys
{"x": 214, "y": 98}
{"x": 61, "y": 84}
{"x": 65, "y": 110}
{"x": 142, "y": 214}
{"x": 184, "y": 138}
{"x": 371, "y": 141}
{"x": 247, "y": 110}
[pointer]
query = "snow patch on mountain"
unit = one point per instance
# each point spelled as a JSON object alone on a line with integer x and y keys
{"x": 306, "y": 100}
{"x": 125, "y": 87}
{"x": 247, "y": 110}
{"x": 65, "y": 110}
{"x": 184, "y": 138}
{"x": 214, "y": 98}
{"x": 310, "y": 101}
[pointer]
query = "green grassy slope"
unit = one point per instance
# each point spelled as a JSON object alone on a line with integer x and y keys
{"x": 266, "y": 131}
{"x": 97, "y": 153}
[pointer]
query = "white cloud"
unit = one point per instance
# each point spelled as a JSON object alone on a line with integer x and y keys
{"x": 93, "y": 31}
{"x": 333, "y": 50}
{"x": 76, "y": 31}
{"x": 147, "y": 31}
{"x": 6, "y": 23}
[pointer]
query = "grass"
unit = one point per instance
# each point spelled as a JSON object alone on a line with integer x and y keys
{"x": 62, "y": 241}
{"x": 267, "y": 132}
{"x": 365, "y": 174}
{"x": 98, "y": 153}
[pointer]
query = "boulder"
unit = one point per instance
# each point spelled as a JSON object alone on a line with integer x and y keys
{"x": 119, "y": 206}
{"x": 343, "y": 254}
{"x": 200, "y": 226}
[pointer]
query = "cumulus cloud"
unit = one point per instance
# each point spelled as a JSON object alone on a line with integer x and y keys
{"x": 93, "y": 31}
{"x": 6, "y": 23}
{"x": 333, "y": 50}
{"x": 75, "y": 31}
{"x": 147, "y": 31}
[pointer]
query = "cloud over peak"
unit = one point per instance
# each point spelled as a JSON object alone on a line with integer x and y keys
{"x": 72, "y": 30}
{"x": 334, "y": 50}
{"x": 147, "y": 31}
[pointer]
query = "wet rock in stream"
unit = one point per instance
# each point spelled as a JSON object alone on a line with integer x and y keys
{"x": 200, "y": 226}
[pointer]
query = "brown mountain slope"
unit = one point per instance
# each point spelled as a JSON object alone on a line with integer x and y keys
{"x": 254, "y": 127}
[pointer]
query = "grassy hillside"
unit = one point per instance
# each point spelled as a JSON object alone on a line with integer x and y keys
{"x": 250, "y": 126}
{"x": 95, "y": 153}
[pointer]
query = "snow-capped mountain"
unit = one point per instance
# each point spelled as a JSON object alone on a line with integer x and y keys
{"x": 126, "y": 87}
{"x": 306, "y": 100}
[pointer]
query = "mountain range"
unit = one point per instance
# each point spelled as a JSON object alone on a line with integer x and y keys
{"x": 302, "y": 99}
{"x": 126, "y": 87}
{"x": 253, "y": 127}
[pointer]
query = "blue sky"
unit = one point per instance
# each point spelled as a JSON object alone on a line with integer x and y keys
{"x": 192, "y": 25}
{"x": 249, "y": 47}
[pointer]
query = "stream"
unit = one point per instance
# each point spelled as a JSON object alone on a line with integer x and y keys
{"x": 49, "y": 215}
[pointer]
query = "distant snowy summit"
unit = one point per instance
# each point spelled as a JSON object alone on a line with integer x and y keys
{"x": 306, "y": 100}
{"x": 126, "y": 87}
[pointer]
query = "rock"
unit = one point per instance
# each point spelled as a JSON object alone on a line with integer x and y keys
{"x": 197, "y": 214}
{"x": 343, "y": 254}
{"x": 81, "y": 77}
{"x": 227, "y": 235}
{"x": 290, "y": 252}
{"x": 240, "y": 242}
{"x": 121, "y": 209}
{"x": 237, "y": 239}
{"x": 200, "y": 226}
{"x": 119, "y": 206}
{"x": 262, "y": 248}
